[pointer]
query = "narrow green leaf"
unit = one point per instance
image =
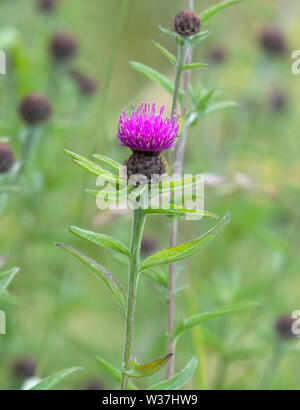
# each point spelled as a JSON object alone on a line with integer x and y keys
{"x": 94, "y": 168}
{"x": 190, "y": 322}
{"x": 101, "y": 240}
{"x": 177, "y": 184}
{"x": 178, "y": 211}
{"x": 198, "y": 38}
{"x": 115, "y": 372}
{"x": 166, "y": 53}
{"x": 148, "y": 369}
{"x": 111, "y": 283}
{"x": 157, "y": 275}
{"x": 187, "y": 249}
{"x": 211, "y": 11}
{"x": 114, "y": 165}
{"x": 179, "y": 379}
{"x": 6, "y": 277}
{"x": 194, "y": 65}
{"x": 49, "y": 382}
{"x": 212, "y": 108}
{"x": 155, "y": 76}
{"x": 111, "y": 195}
{"x": 168, "y": 32}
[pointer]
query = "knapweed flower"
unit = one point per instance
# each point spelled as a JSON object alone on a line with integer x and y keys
{"x": 272, "y": 41}
{"x": 147, "y": 134}
{"x": 6, "y": 158}
{"x": 34, "y": 109}
{"x": 63, "y": 47}
{"x": 186, "y": 23}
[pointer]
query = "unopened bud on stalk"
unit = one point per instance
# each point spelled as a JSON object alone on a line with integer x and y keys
{"x": 35, "y": 109}
{"x": 47, "y": 5}
{"x": 86, "y": 85}
{"x": 148, "y": 245}
{"x": 62, "y": 47}
{"x": 147, "y": 134}
{"x": 186, "y": 23}
{"x": 218, "y": 55}
{"x": 283, "y": 327}
{"x": 277, "y": 100}
{"x": 93, "y": 384}
{"x": 24, "y": 368}
{"x": 272, "y": 41}
{"x": 6, "y": 158}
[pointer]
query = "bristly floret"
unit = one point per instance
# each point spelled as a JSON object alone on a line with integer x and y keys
{"x": 144, "y": 130}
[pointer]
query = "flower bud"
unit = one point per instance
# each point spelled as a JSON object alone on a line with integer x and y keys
{"x": 186, "y": 23}
{"x": 47, "y": 5}
{"x": 86, "y": 85}
{"x": 35, "y": 109}
{"x": 148, "y": 245}
{"x": 272, "y": 41}
{"x": 283, "y": 327}
{"x": 24, "y": 368}
{"x": 63, "y": 46}
{"x": 6, "y": 158}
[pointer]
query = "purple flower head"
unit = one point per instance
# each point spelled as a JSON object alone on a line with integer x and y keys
{"x": 146, "y": 131}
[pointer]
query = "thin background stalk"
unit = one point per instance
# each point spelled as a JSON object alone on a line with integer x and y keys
{"x": 136, "y": 239}
{"x": 177, "y": 169}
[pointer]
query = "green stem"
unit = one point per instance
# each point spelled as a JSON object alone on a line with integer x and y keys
{"x": 136, "y": 238}
{"x": 272, "y": 365}
{"x": 27, "y": 147}
{"x": 181, "y": 58}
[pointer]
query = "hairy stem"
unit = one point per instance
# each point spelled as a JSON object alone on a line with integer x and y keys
{"x": 184, "y": 57}
{"x": 136, "y": 238}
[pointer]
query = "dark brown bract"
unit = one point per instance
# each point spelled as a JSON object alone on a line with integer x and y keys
{"x": 63, "y": 46}
{"x": 6, "y": 158}
{"x": 186, "y": 23}
{"x": 145, "y": 163}
{"x": 34, "y": 109}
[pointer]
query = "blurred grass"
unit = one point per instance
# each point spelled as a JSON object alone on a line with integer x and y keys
{"x": 256, "y": 258}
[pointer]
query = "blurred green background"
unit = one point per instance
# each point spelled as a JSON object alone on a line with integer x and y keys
{"x": 57, "y": 315}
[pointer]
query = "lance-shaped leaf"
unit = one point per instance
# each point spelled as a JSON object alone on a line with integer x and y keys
{"x": 176, "y": 210}
{"x": 114, "y": 165}
{"x": 168, "y": 32}
{"x": 115, "y": 195}
{"x": 6, "y": 277}
{"x": 155, "y": 76}
{"x": 194, "y": 65}
{"x": 49, "y": 382}
{"x": 157, "y": 275}
{"x": 114, "y": 372}
{"x": 111, "y": 283}
{"x": 94, "y": 168}
{"x": 148, "y": 369}
{"x": 178, "y": 380}
{"x": 190, "y": 322}
{"x": 211, "y": 11}
{"x": 166, "y": 53}
{"x": 177, "y": 184}
{"x": 198, "y": 38}
{"x": 101, "y": 240}
{"x": 187, "y": 249}
{"x": 194, "y": 117}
